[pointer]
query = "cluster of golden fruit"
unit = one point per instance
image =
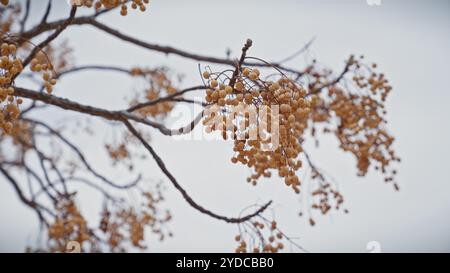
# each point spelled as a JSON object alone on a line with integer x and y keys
{"x": 361, "y": 126}
{"x": 22, "y": 135}
{"x": 10, "y": 66}
{"x": 118, "y": 152}
{"x": 60, "y": 56}
{"x": 123, "y": 151}
{"x": 128, "y": 224}
{"x": 325, "y": 196}
{"x": 9, "y": 18}
{"x": 41, "y": 64}
{"x": 266, "y": 119}
{"x": 119, "y": 225}
{"x": 69, "y": 225}
{"x": 159, "y": 85}
{"x": 134, "y": 5}
{"x": 109, "y": 4}
{"x": 4, "y": 2}
{"x": 361, "y": 130}
{"x": 259, "y": 241}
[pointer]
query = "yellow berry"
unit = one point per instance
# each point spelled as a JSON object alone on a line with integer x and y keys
{"x": 253, "y": 76}
{"x": 246, "y": 72}
{"x": 214, "y": 83}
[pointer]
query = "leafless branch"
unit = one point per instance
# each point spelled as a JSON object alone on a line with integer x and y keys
{"x": 183, "y": 192}
{"x": 50, "y": 38}
{"x": 107, "y": 114}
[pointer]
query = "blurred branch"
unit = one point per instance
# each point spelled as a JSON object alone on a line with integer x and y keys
{"x": 25, "y": 16}
{"x": 31, "y": 204}
{"x": 50, "y": 38}
{"x": 47, "y": 12}
{"x": 80, "y": 155}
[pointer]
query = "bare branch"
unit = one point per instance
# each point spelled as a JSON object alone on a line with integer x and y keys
{"x": 83, "y": 158}
{"x": 25, "y": 17}
{"x": 335, "y": 81}
{"x": 107, "y": 114}
{"x": 90, "y": 20}
{"x": 183, "y": 192}
{"x": 247, "y": 45}
{"x": 32, "y": 204}
{"x": 47, "y": 12}
{"x": 166, "y": 98}
{"x": 50, "y": 38}
{"x": 94, "y": 67}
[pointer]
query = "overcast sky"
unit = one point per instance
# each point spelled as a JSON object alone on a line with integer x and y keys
{"x": 408, "y": 39}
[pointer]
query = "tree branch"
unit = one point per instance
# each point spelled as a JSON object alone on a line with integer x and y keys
{"x": 183, "y": 192}
{"x": 166, "y": 98}
{"x": 107, "y": 114}
{"x": 91, "y": 20}
{"x": 33, "y": 205}
{"x": 83, "y": 158}
{"x": 247, "y": 45}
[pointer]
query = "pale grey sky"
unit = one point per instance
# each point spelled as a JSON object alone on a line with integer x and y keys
{"x": 408, "y": 39}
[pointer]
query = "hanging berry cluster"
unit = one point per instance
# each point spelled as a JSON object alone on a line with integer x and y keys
{"x": 261, "y": 236}
{"x": 58, "y": 55}
{"x": 22, "y": 137}
{"x": 128, "y": 224}
{"x": 119, "y": 225}
{"x": 324, "y": 195}
{"x": 117, "y": 152}
{"x": 358, "y": 112}
{"x": 41, "y": 64}
{"x": 69, "y": 225}
{"x": 125, "y": 150}
{"x": 159, "y": 85}
{"x": 10, "y": 66}
{"x": 9, "y": 17}
{"x": 264, "y": 143}
{"x": 109, "y": 4}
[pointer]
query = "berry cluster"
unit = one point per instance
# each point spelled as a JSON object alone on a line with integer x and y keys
{"x": 128, "y": 224}
{"x": 9, "y": 19}
{"x": 59, "y": 55}
{"x": 254, "y": 238}
{"x": 109, "y": 4}
{"x": 22, "y": 136}
{"x": 41, "y": 64}
{"x": 266, "y": 119}
{"x": 122, "y": 151}
{"x": 69, "y": 225}
{"x": 118, "y": 152}
{"x": 159, "y": 85}
{"x": 10, "y": 66}
{"x": 119, "y": 225}
{"x": 324, "y": 195}
{"x": 361, "y": 126}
